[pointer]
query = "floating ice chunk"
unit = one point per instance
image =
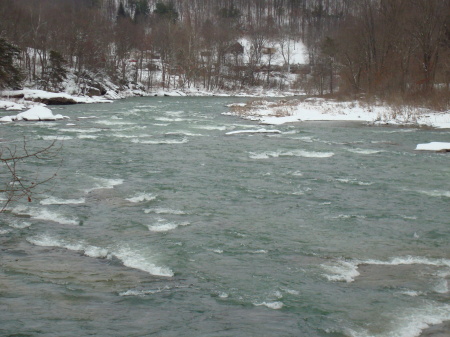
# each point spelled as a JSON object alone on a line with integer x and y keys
{"x": 38, "y": 113}
{"x": 434, "y": 146}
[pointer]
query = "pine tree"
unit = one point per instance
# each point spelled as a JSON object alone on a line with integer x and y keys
{"x": 141, "y": 11}
{"x": 57, "y": 72}
{"x": 10, "y": 75}
{"x": 167, "y": 11}
{"x": 121, "y": 14}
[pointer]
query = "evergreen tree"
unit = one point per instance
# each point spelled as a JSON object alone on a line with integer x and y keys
{"x": 166, "y": 11}
{"x": 57, "y": 72}
{"x": 121, "y": 14}
{"x": 141, "y": 11}
{"x": 10, "y": 75}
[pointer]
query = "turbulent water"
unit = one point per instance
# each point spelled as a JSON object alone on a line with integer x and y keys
{"x": 165, "y": 221}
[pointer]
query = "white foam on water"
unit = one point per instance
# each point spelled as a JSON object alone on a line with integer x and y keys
{"x": 5, "y": 231}
{"x": 348, "y": 270}
{"x": 44, "y": 214}
{"x": 218, "y": 251}
{"x": 260, "y": 251}
{"x": 252, "y": 132}
{"x": 305, "y": 139}
{"x": 120, "y": 135}
{"x": 277, "y": 294}
{"x": 297, "y": 174}
{"x": 211, "y": 127}
{"x": 164, "y": 226}
{"x": 174, "y": 113}
{"x": 129, "y": 257}
{"x": 291, "y": 291}
{"x": 354, "y": 182}
{"x": 411, "y": 322}
{"x": 223, "y": 294}
{"x": 436, "y": 193}
{"x": 164, "y": 211}
{"x": 140, "y": 197}
{"x": 294, "y": 153}
{"x": 20, "y": 225}
{"x": 441, "y": 287}
{"x": 167, "y": 119}
{"x": 271, "y": 305}
{"x": 408, "y": 217}
{"x": 59, "y": 201}
{"x": 46, "y": 240}
{"x": 308, "y": 154}
{"x": 132, "y": 292}
{"x": 263, "y": 155}
{"x": 87, "y": 137}
{"x": 160, "y": 141}
{"x": 341, "y": 271}
{"x": 364, "y": 151}
{"x": 56, "y": 137}
{"x": 183, "y": 133}
{"x": 411, "y": 293}
{"x": 96, "y": 252}
{"x": 92, "y": 130}
{"x": 101, "y": 183}
{"x": 409, "y": 260}
{"x": 136, "y": 260}
{"x": 114, "y": 122}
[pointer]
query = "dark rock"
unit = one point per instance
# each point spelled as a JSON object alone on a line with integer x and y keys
{"x": 55, "y": 100}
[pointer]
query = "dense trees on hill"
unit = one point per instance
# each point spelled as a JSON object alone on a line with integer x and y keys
{"x": 379, "y": 47}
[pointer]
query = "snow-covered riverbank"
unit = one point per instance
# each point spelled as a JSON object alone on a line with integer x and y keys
{"x": 319, "y": 109}
{"x": 19, "y": 100}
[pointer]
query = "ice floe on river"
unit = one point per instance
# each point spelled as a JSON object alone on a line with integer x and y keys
{"x": 37, "y": 113}
{"x": 434, "y": 146}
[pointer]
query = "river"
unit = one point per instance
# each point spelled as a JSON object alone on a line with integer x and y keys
{"x": 162, "y": 223}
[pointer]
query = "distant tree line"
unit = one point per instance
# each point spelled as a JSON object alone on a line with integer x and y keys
{"x": 376, "y": 47}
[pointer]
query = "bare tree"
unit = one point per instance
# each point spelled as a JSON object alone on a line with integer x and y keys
{"x": 16, "y": 182}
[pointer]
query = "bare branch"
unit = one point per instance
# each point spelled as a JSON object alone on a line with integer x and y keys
{"x": 17, "y": 187}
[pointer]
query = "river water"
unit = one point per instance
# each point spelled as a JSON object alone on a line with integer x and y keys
{"x": 160, "y": 224}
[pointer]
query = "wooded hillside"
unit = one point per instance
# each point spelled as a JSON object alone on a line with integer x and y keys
{"x": 375, "y": 47}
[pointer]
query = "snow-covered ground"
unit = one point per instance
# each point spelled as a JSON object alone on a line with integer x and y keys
{"x": 283, "y": 51}
{"x": 319, "y": 109}
{"x": 37, "y": 95}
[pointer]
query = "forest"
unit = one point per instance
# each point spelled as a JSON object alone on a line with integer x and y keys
{"x": 395, "y": 50}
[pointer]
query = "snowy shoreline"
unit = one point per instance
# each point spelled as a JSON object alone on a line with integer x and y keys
{"x": 30, "y": 100}
{"x": 319, "y": 109}
{"x": 263, "y": 111}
